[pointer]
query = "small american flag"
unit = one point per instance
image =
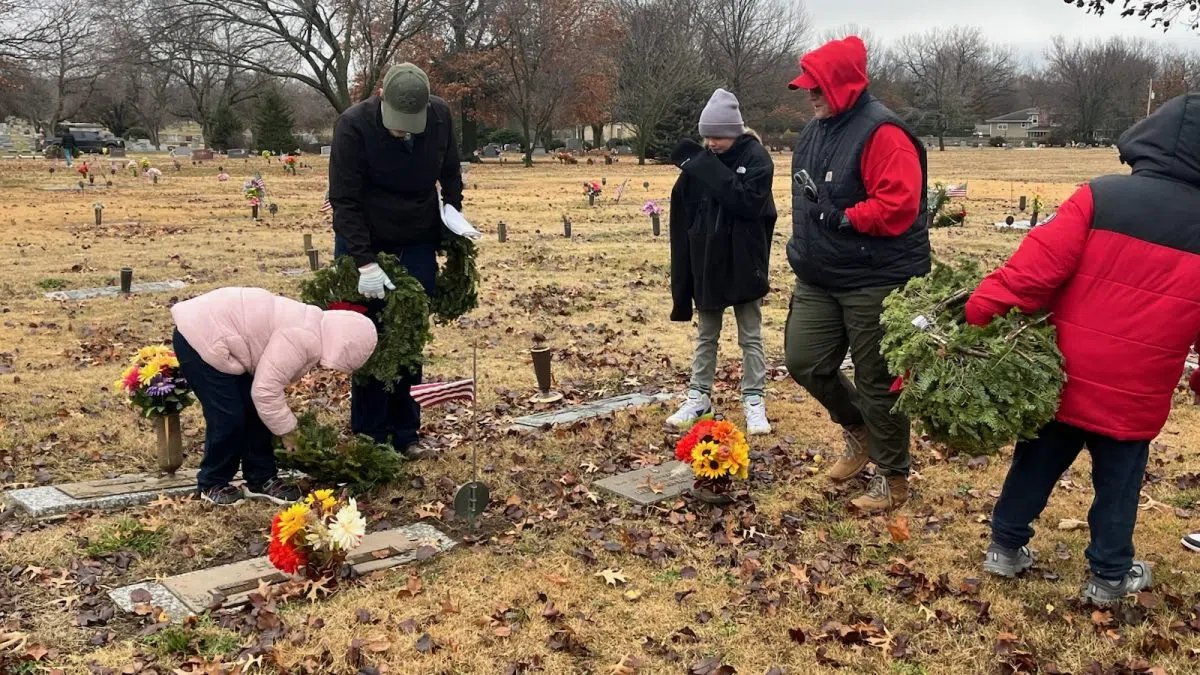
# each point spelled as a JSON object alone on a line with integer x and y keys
{"x": 959, "y": 191}
{"x": 435, "y": 393}
{"x": 326, "y": 207}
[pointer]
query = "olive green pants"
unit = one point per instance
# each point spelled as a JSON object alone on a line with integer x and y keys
{"x": 821, "y": 326}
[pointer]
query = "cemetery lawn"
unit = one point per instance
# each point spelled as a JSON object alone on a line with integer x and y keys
{"x": 788, "y": 579}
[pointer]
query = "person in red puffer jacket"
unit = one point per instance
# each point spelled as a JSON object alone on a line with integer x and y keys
{"x": 1118, "y": 268}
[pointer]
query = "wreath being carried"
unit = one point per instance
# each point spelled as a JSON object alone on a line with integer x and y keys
{"x": 404, "y": 319}
{"x": 973, "y": 388}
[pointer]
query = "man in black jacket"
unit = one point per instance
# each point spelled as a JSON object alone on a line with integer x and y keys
{"x": 70, "y": 146}
{"x": 390, "y": 154}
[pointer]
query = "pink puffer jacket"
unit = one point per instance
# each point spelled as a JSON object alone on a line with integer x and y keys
{"x": 251, "y": 330}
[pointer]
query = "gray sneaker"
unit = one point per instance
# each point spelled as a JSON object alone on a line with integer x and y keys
{"x": 1104, "y": 592}
{"x": 222, "y": 495}
{"x": 1005, "y": 562}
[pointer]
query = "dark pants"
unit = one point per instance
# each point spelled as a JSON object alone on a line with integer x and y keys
{"x": 233, "y": 432}
{"x": 392, "y": 416}
{"x": 1117, "y": 471}
{"x": 821, "y": 326}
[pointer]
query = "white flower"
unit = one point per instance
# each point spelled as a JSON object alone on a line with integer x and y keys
{"x": 317, "y": 536}
{"x": 348, "y": 527}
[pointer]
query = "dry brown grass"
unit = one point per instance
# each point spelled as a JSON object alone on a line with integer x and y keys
{"x": 601, "y": 298}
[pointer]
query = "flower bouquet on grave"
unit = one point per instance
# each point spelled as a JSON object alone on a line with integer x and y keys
{"x": 84, "y": 170}
{"x": 719, "y": 454}
{"x": 289, "y": 164}
{"x": 154, "y": 385}
{"x": 652, "y": 209}
{"x": 592, "y": 190}
{"x": 133, "y": 167}
{"x": 314, "y": 537}
{"x": 255, "y": 191}
{"x": 153, "y": 174}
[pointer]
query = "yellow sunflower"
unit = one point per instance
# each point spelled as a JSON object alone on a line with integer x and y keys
{"x": 705, "y": 450}
{"x": 292, "y": 521}
{"x": 708, "y": 468}
{"x": 324, "y": 497}
{"x": 740, "y": 459}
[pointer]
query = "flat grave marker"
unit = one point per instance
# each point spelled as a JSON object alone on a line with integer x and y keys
{"x": 108, "y": 291}
{"x": 193, "y": 592}
{"x": 585, "y": 411}
{"x": 99, "y": 495}
{"x": 201, "y": 154}
{"x": 651, "y": 484}
{"x": 237, "y": 153}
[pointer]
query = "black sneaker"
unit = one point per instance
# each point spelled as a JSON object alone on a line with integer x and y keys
{"x": 275, "y": 491}
{"x": 222, "y": 495}
{"x": 416, "y": 450}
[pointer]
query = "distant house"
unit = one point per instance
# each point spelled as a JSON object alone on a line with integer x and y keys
{"x": 1026, "y": 124}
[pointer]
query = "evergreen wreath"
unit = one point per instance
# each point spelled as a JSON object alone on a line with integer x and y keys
{"x": 939, "y": 200}
{"x": 457, "y": 280}
{"x": 404, "y": 320}
{"x": 974, "y": 389}
{"x": 359, "y": 464}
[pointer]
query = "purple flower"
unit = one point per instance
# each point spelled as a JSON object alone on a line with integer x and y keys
{"x": 651, "y": 208}
{"x": 160, "y": 386}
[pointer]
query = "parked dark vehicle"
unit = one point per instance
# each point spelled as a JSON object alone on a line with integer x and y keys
{"x": 86, "y": 140}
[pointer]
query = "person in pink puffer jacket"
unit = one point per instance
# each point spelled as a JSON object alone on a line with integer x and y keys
{"x": 239, "y": 348}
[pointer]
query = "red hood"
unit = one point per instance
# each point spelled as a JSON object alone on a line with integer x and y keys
{"x": 839, "y": 69}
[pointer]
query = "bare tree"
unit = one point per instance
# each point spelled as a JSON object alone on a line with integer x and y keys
{"x": 955, "y": 76}
{"x": 659, "y": 63}
{"x": 749, "y": 44}
{"x": 1162, "y": 13}
{"x": 65, "y": 52}
{"x": 340, "y": 48}
{"x": 546, "y": 51}
{"x": 1100, "y": 88}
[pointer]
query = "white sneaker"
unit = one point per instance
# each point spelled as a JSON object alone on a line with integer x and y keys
{"x": 756, "y": 415}
{"x": 697, "y": 405}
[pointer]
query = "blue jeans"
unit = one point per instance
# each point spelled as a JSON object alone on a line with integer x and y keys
{"x": 233, "y": 432}
{"x": 67, "y": 154}
{"x": 392, "y": 417}
{"x": 1117, "y": 471}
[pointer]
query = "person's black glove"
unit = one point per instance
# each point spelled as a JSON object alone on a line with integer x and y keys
{"x": 826, "y": 215}
{"x": 681, "y": 311}
{"x": 686, "y": 150}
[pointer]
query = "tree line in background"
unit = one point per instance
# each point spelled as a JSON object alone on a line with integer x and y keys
{"x": 533, "y": 66}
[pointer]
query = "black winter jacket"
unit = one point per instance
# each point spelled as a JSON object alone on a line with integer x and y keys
{"x": 722, "y": 220}
{"x": 384, "y": 192}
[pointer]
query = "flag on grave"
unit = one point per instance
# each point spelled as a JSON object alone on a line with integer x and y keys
{"x": 435, "y": 393}
{"x": 959, "y": 191}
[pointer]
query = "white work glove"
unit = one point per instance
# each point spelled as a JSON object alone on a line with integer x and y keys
{"x": 372, "y": 280}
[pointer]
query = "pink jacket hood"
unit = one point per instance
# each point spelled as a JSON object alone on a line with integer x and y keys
{"x": 347, "y": 340}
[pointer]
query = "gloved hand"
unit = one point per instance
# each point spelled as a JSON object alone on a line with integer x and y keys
{"x": 686, "y": 150}
{"x": 372, "y": 281}
{"x": 825, "y": 214}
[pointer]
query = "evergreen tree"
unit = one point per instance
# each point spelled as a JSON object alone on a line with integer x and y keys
{"x": 227, "y": 130}
{"x": 273, "y": 124}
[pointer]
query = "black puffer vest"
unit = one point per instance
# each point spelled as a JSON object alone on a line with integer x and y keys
{"x": 831, "y": 151}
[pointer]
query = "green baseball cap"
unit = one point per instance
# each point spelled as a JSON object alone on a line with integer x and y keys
{"x": 405, "y": 98}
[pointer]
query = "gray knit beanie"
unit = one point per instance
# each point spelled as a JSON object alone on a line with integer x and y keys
{"x": 721, "y": 117}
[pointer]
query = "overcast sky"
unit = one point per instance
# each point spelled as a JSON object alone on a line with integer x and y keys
{"x": 1027, "y": 25}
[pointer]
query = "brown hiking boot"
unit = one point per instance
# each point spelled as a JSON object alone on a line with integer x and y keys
{"x": 855, "y": 458}
{"x": 884, "y": 493}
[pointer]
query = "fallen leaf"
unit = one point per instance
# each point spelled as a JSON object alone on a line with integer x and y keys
{"x": 612, "y": 577}
{"x": 898, "y": 528}
{"x": 628, "y": 665}
{"x": 1069, "y": 524}
{"x": 633, "y": 595}
{"x": 426, "y": 645}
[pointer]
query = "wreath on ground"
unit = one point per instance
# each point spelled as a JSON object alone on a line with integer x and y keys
{"x": 975, "y": 389}
{"x": 359, "y": 464}
{"x": 404, "y": 319}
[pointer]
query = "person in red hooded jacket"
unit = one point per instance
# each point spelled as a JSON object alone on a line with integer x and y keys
{"x": 1118, "y": 268}
{"x": 859, "y": 231}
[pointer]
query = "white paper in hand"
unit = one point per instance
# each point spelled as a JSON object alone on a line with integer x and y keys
{"x": 456, "y": 223}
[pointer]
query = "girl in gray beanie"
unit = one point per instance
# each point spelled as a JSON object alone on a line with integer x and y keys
{"x": 722, "y": 219}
